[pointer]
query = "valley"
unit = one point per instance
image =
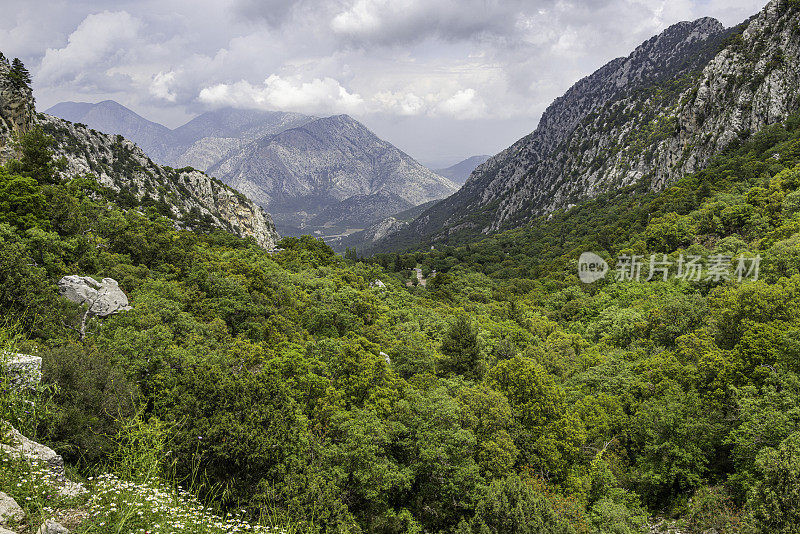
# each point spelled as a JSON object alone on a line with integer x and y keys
{"x": 279, "y": 322}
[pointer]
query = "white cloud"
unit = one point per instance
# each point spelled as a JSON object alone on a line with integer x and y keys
{"x": 160, "y": 86}
{"x": 102, "y": 39}
{"x": 465, "y": 104}
{"x": 407, "y": 104}
{"x": 462, "y": 104}
{"x": 324, "y": 95}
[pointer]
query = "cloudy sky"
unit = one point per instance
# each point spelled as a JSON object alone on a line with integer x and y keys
{"x": 442, "y": 79}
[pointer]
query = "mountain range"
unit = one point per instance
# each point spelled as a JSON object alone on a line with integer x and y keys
{"x": 320, "y": 175}
{"x": 664, "y": 111}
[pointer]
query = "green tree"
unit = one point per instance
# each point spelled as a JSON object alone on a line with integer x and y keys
{"x": 36, "y": 157}
{"x": 19, "y": 74}
{"x": 461, "y": 349}
{"x": 775, "y": 500}
{"x": 22, "y": 203}
{"x": 550, "y": 436}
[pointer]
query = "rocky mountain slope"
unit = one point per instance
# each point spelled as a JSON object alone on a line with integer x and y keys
{"x": 661, "y": 112}
{"x": 199, "y": 143}
{"x": 324, "y": 166}
{"x": 188, "y": 196}
{"x": 315, "y": 175}
{"x": 459, "y": 172}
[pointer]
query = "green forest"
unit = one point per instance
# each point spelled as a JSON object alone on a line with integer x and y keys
{"x": 503, "y": 396}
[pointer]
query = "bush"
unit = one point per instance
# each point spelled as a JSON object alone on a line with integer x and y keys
{"x": 93, "y": 396}
{"x": 510, "y": 506}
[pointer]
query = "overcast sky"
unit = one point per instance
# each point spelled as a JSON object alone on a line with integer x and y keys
{"x": 441, "y": 79}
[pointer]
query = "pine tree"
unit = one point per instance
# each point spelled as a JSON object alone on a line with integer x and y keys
{"x": 19, "y": 74}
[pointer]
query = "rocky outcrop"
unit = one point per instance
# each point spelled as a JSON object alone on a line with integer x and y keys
{"x": 24, "y": 370}
{"x": 654, "y": 116}
{"x": 17, "y": 109}
{"x": 188, "y": 196}
{"x": 752, "y": 83}
{"x": 52, "y": 527}
{"x": 18, "y": 446}
{"x": 10, "y": 511}
{"x": 103, "y": 298}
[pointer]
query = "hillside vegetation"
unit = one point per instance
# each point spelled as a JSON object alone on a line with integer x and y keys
{"x": 505, "y": 396}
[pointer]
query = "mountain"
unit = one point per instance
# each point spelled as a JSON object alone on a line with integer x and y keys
{"x": 316, "y": 175}
{"x": 190, "y": 197}
{"x": 654, "y": 116}
{"x": 326, "y": 166}
{"x": 459, "y": 172}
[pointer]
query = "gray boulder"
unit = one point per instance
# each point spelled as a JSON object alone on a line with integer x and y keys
{"x": 103, "y": 298}
{"x": 21, "y": 447}
{"x": 51, "y": 527}
{"x": 10, "y": 510}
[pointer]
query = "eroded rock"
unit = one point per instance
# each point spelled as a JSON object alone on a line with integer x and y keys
{"x": 44, "y": 456}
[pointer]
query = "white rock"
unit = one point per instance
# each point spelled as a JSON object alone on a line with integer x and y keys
{"x": 10, "y": 510}
{"x": 24, "y": 370}
{"x": 110, "y": 299}
{"x": 51, "y": 527}
{"x": 22, "y": 447}
{"x": 79, "y": 289}
{"x": 103, "y": 298}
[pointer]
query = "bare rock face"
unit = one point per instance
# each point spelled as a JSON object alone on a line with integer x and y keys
{"x": 103, "y": 298}
{"x": 10, "y": 511}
